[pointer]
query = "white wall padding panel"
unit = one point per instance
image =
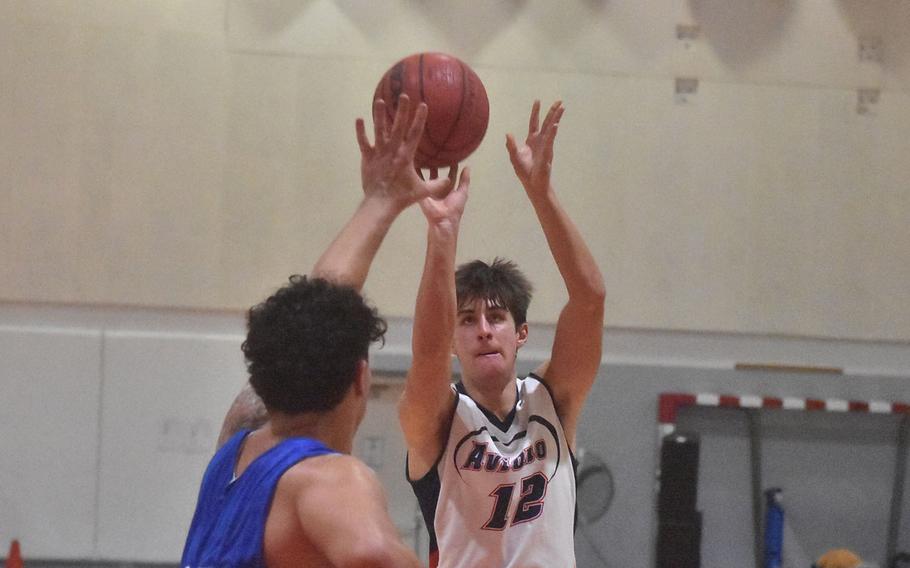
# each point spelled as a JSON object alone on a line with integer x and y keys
{"x": 165, "y": 397}
{"x": 49, "y": 399}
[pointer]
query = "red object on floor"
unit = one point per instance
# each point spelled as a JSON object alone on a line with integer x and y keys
{"x": 14, "y": 558}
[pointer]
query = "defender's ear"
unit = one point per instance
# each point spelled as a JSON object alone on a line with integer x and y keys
{"x": 362, "y": 379}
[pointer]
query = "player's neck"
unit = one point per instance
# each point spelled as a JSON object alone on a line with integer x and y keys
{"x": 330, "y": 428}
{"x": 497, "y": 396}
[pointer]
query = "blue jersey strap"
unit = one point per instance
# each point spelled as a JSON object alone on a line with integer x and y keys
{"x": 229, "y": 523}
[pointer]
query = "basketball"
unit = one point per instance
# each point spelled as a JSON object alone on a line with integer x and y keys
{"x": 457, "y": 107}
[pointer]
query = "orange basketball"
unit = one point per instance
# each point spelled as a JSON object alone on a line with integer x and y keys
{"x": 457, "y": 107}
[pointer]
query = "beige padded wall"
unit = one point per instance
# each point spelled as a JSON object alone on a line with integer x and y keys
{"x": 193, "y": 154}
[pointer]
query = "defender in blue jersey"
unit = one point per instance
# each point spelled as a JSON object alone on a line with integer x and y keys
{"x": 287, "y": 494}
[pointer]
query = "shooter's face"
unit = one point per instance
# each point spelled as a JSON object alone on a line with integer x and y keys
{"x": 487, "y": 341}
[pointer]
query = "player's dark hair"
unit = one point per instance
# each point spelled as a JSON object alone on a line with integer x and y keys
{"x": 304, "y": 343}
{"x": 501, "y": 283}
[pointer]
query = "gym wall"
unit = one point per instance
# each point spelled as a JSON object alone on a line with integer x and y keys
{"x": 164, "y": 165}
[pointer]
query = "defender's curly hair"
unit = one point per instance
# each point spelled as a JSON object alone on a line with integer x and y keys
{"x": 500, "y": 283}
{"x": 304, "y": 342}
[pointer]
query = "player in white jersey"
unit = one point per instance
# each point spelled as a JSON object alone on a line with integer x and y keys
{"x": 490, "y": 459}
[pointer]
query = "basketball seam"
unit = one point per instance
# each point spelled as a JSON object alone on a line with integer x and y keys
{"x": 461, "y": 103}
{"x": 429, "y": 135}
{"x": 441, "y": 146}
{"x": 466, "y": 81}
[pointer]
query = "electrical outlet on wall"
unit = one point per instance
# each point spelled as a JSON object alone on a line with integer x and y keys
{"x": 685, "y": 89}
{"x": 186, "y": 436}
{"x": 372, "y": 451}
{"x": 871, "y": 49}
{"x": 867, "y": 100}
{"x": 687, "y": 34}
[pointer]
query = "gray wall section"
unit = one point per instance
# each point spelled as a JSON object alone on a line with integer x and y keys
{"x": 836, "y": 470}
{"x": 128, "y": 395}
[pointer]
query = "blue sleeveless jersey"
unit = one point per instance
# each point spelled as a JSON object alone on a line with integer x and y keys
{"x": 229, "y": 523}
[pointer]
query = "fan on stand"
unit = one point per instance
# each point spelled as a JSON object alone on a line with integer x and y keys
{"x": 594, "y": 494}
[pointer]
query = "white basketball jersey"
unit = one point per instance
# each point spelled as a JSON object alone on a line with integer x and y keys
{"x": 503, "y": 493}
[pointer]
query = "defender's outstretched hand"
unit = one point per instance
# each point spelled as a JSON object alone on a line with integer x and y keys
{"x": 387, "y": 168}
{"x": 533, "y": 160}
{"x": 390, "y": 184}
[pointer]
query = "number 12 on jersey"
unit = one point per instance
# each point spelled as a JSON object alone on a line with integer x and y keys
{"x": 530, "y": 503}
